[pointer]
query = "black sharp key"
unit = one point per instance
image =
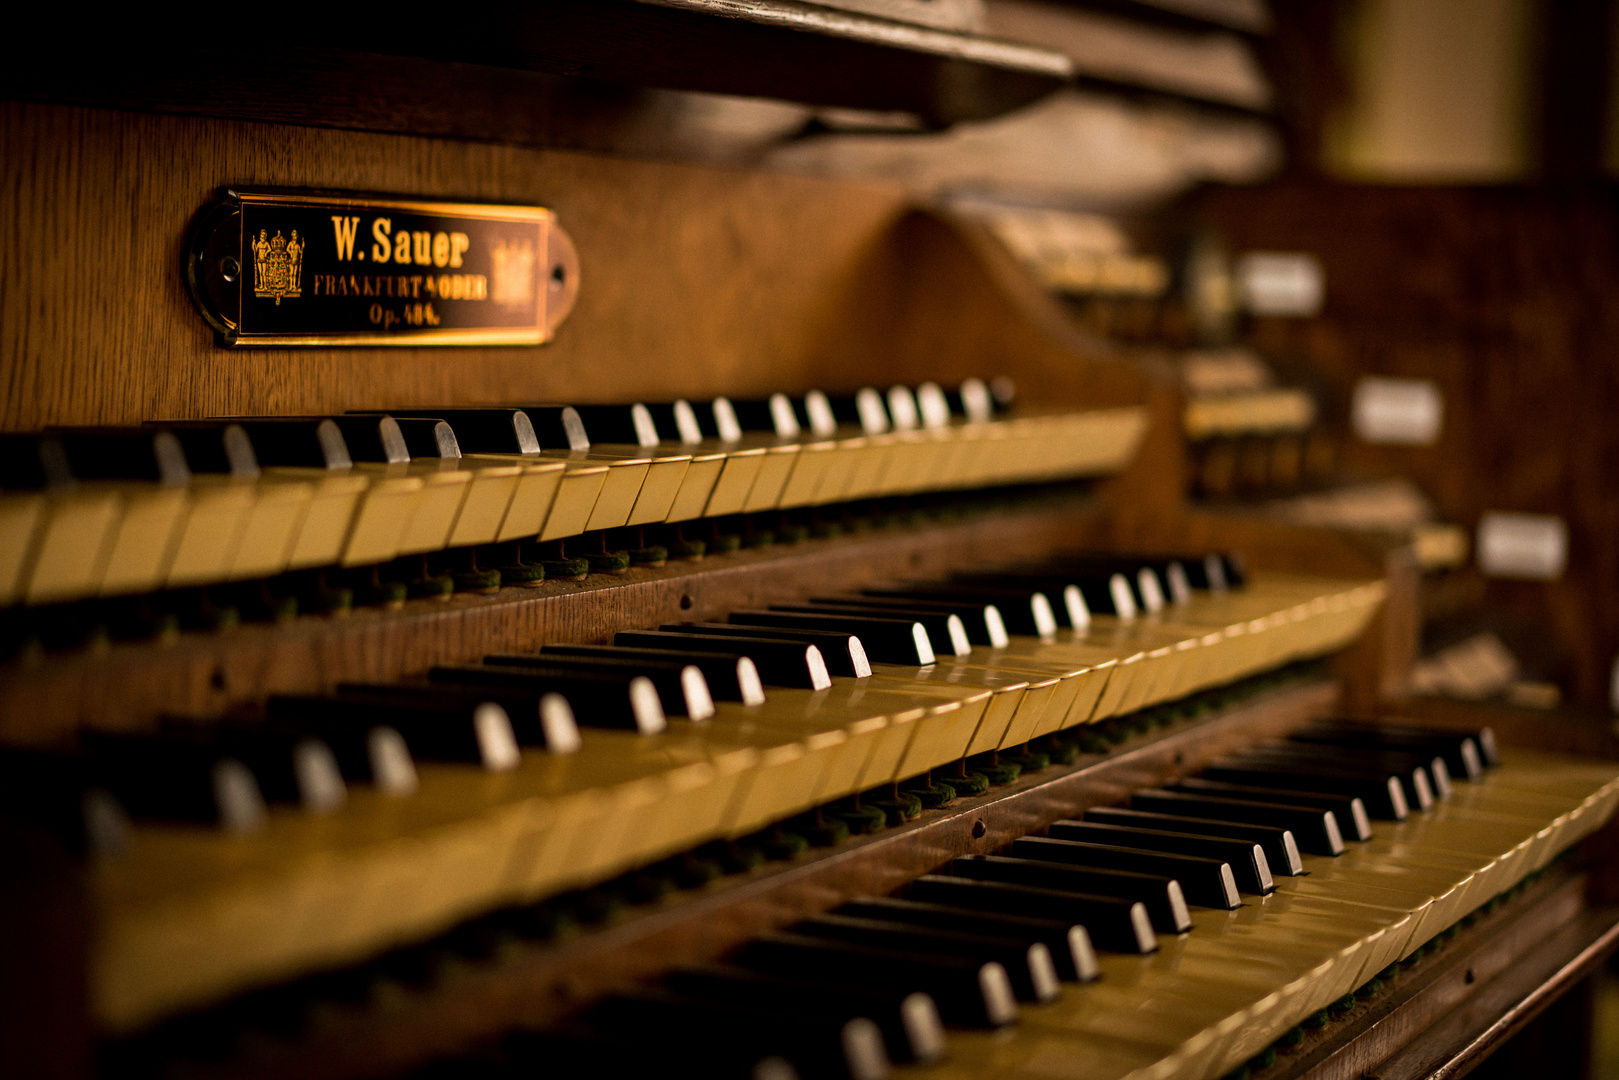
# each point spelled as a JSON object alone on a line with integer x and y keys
{"x": 1112, "y": 584}
{"x": 366, "y": 751}
{"x": 599, "y": 698}
{"x": 688, "y": 1027}
{"x": 1383, "y": 798}
{"x": 972, "y": 400}
{"x": 425, "y": 712}
{"x": 33, "y": 463}
{"x": 59, "y": 792}
{"x": 864, "y": 409}
{"x": 682, "y": 688}
{"x": 290, "y": 766}
{"x": 1024, "y": 611}
{"x": 1249, "y": 865}
{"x": 982, "y": 622}
{"x": 428, "y": 438}
{"x": 843, "y": 653}
{"x": 310, "y": 442}
{"x": 169, "y": 778}
{"x": 1033, "y": 973}
{"x": 968, "y": 992}
{"x": 1069, "y": 602}
{"x": 731, "y": 677}
{"x": 558, "y": 427}
{"x": 1349, "y": 812}
{"x": 1316, "y": 828}
{"x": 625, "y": 424}
{"x": 1460, "y": 751}
{"x": 222, "y": 449}
{"x": 1068, "y": 943}
{"x": 1162, "y": 895}
{"x": 909, "y": 1020}
{"x": 717, "y": 420}
{"x": 780, "y": 661}
{"x": 1281, "y": 850}
{"x": 1204, "y": 881}
{"x": 676, "y": 421}
{"x": 888, "y": 641}
{"x": 1115, "y": 924}
{"x": 125, "y": 453}
{"x": 1416, "y": 782}
{"x": 473, "y": 729}
{"x": 772, "y": 416}
{"x": 1431, "y": 763}
{"x": 946, "y": 632}
{"x": 373, "y": 438}
{"x": 483, "y": 431}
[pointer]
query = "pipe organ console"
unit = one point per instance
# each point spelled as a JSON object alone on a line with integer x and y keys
{"x": 471, "y": 609}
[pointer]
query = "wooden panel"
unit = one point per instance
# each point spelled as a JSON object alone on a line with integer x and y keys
{"x": 695, "y": 280}
{"x": 1503, "y": 296}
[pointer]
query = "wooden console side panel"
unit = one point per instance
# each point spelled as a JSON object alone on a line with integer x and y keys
{"x": 695, "y": 280}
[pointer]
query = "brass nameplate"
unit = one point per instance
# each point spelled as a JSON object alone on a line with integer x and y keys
{"x": 273, "y": 268}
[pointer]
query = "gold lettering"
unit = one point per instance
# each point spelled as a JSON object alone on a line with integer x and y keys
{"x": 458, "y": 246}
{"x": 402, "y": 248}
{"x": 424, "y": 248}
{"x": 432, "y": 286}
{"x": 345, "y": 228}
{"x": 370, "y": 290}
{"x": 441, "y": 249}
{"x": 415, "y": 285}
{"x": 354, "y": 286}
{"x": 380, "y": 229}
{"x": 480, "y": 287}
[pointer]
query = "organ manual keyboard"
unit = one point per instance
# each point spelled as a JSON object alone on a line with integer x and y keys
{"x": 802, "y": 664}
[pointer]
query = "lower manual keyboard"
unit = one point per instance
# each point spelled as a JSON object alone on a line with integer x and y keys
{"x": 998, "y": 950}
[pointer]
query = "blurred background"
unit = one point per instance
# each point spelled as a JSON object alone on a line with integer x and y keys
{"x": 1372, "y": 241}
{"x": 1373, "y": 244}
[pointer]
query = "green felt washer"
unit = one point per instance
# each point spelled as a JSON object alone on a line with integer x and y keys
{"x": 793, "y": 534}
{"x": 1063, "y": 751}
{"x": 328, "y": 601}
{"x": 687, "y": 549}
{"x": 897, "y": 811}
{"x": 653, "y": 555}
{"x": 974, "y": 783}
{"x": 723, "y": 542}
{"x": 1264, "y": 1059}
{"x": 1316, "y": 1021}
{"x": 932, "y": 797}
{"x": 524, "y": 574}
{"x": 825, "y": 530}
{"x": 486, "y": 582}
{"x": 385, "y": 593}
{"x": 867, "y": 819}
{"x": 790, "y": 845}
{"x": 742, "y": 856}
{"x": 1003, "y": 773}
{"x": 432, "y": 588}
{"x": 612, "y": 562}
{"x": 1030, "y": 762}
{"x": 1292, "y": 1037}
{"x": 565, "y": 569}
{"x": 832, "y": 829}
{"x": 760, "y": 538}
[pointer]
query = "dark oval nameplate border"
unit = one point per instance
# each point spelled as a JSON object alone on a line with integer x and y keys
{"x": 278, "y": 268}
